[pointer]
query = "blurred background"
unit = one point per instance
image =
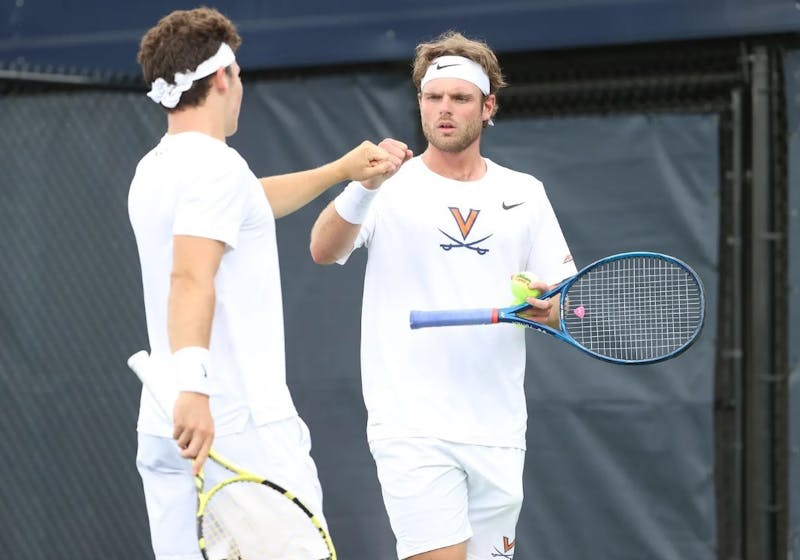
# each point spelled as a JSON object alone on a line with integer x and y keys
{"x": 662, "y": 125}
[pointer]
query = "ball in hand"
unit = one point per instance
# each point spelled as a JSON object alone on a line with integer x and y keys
{"x": 519, "y": 286}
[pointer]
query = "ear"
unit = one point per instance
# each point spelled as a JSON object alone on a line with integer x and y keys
{"x": 488, "y": 106}
{"x": 220, "y": 80}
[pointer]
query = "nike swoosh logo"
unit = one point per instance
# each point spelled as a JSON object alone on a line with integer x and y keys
{"x": 442, "y": 67}
{"x": 510, "y": 206}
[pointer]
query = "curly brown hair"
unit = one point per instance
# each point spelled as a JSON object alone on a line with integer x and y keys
{"x": 180, "y": 42}
{"x": 455, "y": 44}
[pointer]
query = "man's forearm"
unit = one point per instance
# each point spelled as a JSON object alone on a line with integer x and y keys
{"x": 190, "y": 312}
{"x": 290, "y": 192}
{"x": 332, "y": 236}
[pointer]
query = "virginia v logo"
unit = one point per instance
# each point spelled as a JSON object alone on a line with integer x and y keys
{"x": 508, "y": 549}
{"x": 464, "y": 227}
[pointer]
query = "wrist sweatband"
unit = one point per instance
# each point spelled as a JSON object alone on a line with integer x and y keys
{"x": 353, "y": 202}
{"x": 192, "y": 369}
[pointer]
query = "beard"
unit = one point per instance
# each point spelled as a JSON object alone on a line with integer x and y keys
{"x": 458, "y": 142}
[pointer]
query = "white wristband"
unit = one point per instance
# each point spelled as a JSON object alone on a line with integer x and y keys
{"x": 353, "y": 202}
{"x": 193, "y": 370}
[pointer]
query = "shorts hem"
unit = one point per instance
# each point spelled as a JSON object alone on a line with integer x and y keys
{"x": 447, "y": 439}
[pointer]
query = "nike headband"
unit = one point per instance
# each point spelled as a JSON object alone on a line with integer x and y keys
{"x": 457, "y": 67}
{"x": 169, "y": 95}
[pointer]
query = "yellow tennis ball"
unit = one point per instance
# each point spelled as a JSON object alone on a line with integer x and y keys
{"x": 519, "y": 286}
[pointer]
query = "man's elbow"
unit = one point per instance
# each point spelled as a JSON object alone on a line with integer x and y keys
{"x": 321, "y": 254}
{"x": 184, "y": 280}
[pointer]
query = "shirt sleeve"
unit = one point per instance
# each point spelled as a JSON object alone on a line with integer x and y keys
{"x": 550, "y": 257}
{"x": 212, "y": 207}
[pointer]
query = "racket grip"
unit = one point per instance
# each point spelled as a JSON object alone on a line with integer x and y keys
{"x": 422, "y": 319}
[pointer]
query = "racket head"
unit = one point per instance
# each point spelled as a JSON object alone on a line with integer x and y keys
{"x": 249, "y": 518}
{"x": 633, "y": 308}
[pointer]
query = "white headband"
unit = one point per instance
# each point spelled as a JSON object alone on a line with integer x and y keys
{"x": 170, "y": 94}
{"x": 457, "y": 67}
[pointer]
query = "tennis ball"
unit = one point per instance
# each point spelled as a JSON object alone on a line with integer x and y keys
{"x": 519, "y": 286}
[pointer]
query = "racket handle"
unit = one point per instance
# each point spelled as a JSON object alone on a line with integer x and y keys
{"x": 422, "y": 319}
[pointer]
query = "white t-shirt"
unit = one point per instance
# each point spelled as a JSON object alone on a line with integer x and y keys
{"x": 193, "y": 184}
{"x": 437, "y": 243}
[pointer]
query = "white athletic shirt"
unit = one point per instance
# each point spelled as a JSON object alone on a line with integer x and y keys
{"x": 437, "y": 243}
{"x": 193, "y": 184}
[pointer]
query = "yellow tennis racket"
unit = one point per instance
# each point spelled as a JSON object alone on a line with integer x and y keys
{"x": 244, "y": 516}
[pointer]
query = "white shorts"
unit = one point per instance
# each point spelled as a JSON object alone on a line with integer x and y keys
{"x": 439, "y": 493}
{"x": 280, "y": 451}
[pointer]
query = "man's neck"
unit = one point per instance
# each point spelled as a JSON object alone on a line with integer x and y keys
{"x": 195, "y": 119}
{"x": 467, "y": 165}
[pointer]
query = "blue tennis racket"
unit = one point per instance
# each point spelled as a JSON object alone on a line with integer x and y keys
{"x": 631, "y": 308}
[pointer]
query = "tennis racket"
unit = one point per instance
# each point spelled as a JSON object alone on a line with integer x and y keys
{"x": 631, "y": 308}
{"x": 245, "y": 516}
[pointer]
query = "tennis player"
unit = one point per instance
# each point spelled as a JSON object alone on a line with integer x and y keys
{"x": 205, "y": 231}
{"x": 447, "y": 411}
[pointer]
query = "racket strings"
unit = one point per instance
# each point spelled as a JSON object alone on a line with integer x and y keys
{"x": 246, "y": 520}
{"x": 634, "y": 309}
{"x": 219, "y": 540}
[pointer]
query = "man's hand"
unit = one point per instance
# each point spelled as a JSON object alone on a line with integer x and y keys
{"x": 193, "y": 428}
{"x": 371, "y": 164}
{"x": 542, "y": 310}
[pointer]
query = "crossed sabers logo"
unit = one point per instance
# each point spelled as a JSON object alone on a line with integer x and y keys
{"x": 508, "y": 549}
{"x": 464, "y": 226}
